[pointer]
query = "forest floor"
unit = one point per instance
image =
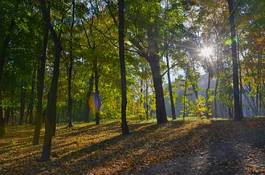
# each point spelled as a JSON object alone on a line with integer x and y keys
{"x": 192, "y": 147}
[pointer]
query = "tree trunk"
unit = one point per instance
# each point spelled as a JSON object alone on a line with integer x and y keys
{"x": 97, "y": 102}
{"x": 161, "y": 115}
{"x": 32, "y": 95}
{"x": 240, "y": 81}
{"x": 40, "y": 84}
{"x": 173, "y": 112}
{"x": 215, "y": 96}
{"x": 8, "y": 114}
{"x": 50, "y": 122}
{"x": 90, "y": 89}
{"x": 124, "y": 126}
{"x": 70, "y": 70}
{"x": 207, "y": 96}
{"x": 146, "y": 100}
{"x": 185, "y": 96}
{"x": 237, "y": 107}
{"x": 2, "y": 123}
{"x": 22, "y": 104}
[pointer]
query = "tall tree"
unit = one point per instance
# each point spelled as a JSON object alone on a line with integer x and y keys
{"x": 40, "y": 82}
{"x": 173, "y": 111}
{"x": 237, "y": 106}
{"x": 124, "y": 126}
{"x": 70, "y": 70}
{"x": 52, "y": 96}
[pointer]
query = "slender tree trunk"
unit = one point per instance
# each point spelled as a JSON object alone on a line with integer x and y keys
{"x": 173, "y": 112}
{"x": 240, "y": 81}
{"x": 50, "y": 121}
{"x": 8, "y": 114}
{"x": 90, "y": 89}
{"x": 2, "y": 123}
{"x": 237, "y": 107}
{"x": 146, "y": 100}
{"x": 124, "y": 126}
{"x": 70, "y": 70}
{"x": 13, "y": 117}
{"x": 22, "y": 104}
{"x": 40, "y": 84}
{"x": 97, "y": 91}
{"x": 161, "y": 115}
{"x": 32, "y": 95}
{"x": 208, "y": 95}
{"x": 215, "y": 96}
{"x": 185, "y": 96}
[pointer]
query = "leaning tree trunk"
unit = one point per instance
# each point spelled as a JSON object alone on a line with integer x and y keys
{"x": 124, "y": 126}
{"x": 52, "y": 97}
{"x": 70, "y": 70}
{"x": 237, "y": 107}
{"x": 40, "y": 85}
{"x": 173, "y": 112}
{"x": 161, "y": 115}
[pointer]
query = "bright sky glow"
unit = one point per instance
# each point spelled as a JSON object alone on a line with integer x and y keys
{"x": 206, "y": 52}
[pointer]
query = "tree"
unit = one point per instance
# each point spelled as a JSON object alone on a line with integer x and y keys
{"x": 52, "y": 96}
{"x": 124, "y": 126}
{"x": 70, "y": 70}
{"x": 237, "y": 106}
{"x": 40, "y": 82}
{"x": 173, "y": 112}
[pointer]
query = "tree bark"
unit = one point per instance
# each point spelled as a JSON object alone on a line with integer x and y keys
{"x": 215, "y": 96}
{"x": 173, "y": 112}
{"x": 2, "y": 123}
{"x": 90, "y": 89}
{"x": 208, "y": 96}
{"x": 70, "y": 70}
{"x": 97, "y": 90}
{"x": 124, "y": 126}
{"x": 185, "y": 95}
{"x": 32, "y": 95}
{"x": 161, "y": 115}
{"x": 50, "y": 122}
{"x": 237, "y": 107}
{"x": 40, "y": 84}
{"x": 22, "y": 104}
{"x": 146, "y": 100}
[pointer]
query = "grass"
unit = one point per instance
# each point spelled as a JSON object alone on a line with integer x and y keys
{"x": 88, "y": 148}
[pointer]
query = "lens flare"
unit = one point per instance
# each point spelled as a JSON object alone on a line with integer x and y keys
{"x": 206, "y": 51}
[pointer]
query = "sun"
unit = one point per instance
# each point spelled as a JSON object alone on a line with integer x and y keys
{"x": 206, "y": 51}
